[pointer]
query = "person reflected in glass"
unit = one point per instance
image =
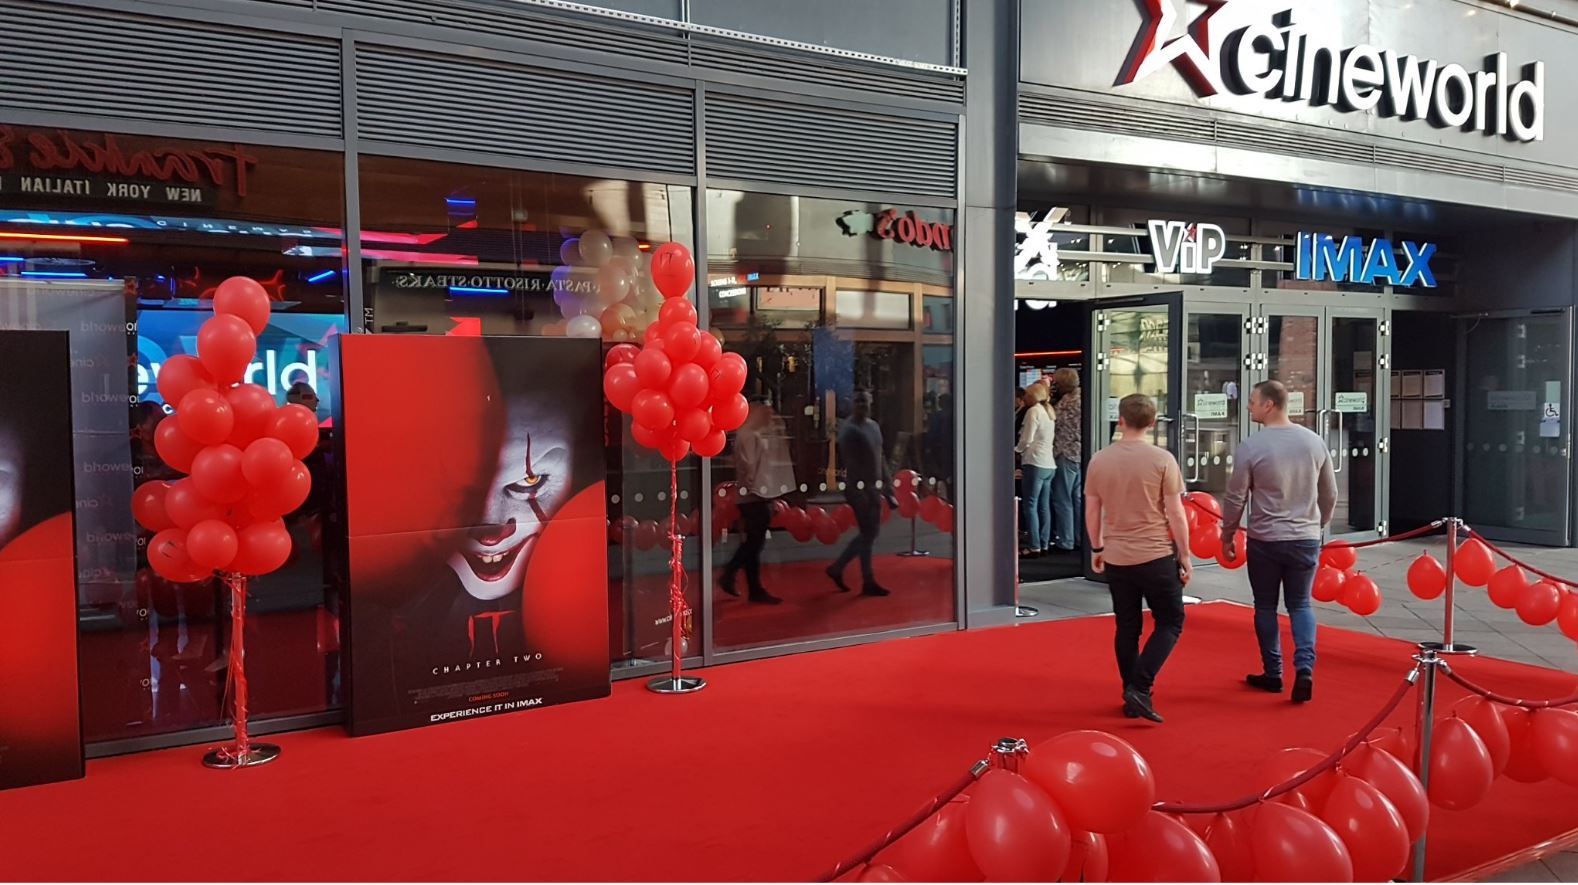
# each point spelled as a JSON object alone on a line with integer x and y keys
{"x": 866, "y": 483}
{"x": 765, "y": 473}
{"x": 1037, "y": 434}
{"x": 1068, "y": 488}
{"x": 939, "y": 443}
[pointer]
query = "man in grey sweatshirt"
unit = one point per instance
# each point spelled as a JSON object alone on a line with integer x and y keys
{"x": 1285, "y": 473}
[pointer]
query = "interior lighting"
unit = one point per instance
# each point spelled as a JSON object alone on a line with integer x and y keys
{"x": 62, "y": 238}
{"x": 470, "y": 291}
{"x": 63, "y": 274}
{"x": 320, "y": 277}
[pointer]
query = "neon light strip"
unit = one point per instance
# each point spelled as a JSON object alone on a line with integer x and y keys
{"x": 12, "y": 259}
{"x": 320, "y": 277}
{"x": 77, "y": 275}
{"x": 467, "y": 290}
{"x": 65, "y": 238}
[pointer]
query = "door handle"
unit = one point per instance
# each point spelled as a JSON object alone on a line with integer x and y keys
{"x": 1196, "y": 450}
{"x": 1342, "y": 446}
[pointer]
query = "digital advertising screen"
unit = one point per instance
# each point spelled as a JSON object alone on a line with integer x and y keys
{"x": 476, "y": 525}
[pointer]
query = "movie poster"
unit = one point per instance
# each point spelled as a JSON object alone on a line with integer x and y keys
{"x": 477, "y": 535}
{"x": 40, "y": 717}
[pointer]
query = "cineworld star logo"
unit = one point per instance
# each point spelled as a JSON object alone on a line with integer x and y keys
{"x": 1279, "y": 59}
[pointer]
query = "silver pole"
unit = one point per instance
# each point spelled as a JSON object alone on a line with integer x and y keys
{"x": 1451, "y": 587}
{"x": 1020, "y": 611}
{"x": 1427, "y": 711}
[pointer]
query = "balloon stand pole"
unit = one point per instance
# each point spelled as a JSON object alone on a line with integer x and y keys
{"x": 914, "y": 536}
{"x": 242, "y": 753}
{"x": 676, "y": 682}
{"x": 1020, "y": 611}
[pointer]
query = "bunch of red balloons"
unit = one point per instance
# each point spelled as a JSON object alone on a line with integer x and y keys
{"x": 932, "y": 509}
{"x": 1204, "y": 516}
{"x": 1538, "y": 602}
{"x": 242, "y": 452}
{"x": 1337, "y": 580}
{"x": 680, "y": 389}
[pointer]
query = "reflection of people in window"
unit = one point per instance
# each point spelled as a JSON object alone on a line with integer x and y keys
{"x": 866, "y": 483}
{"x": 764, "y": 470}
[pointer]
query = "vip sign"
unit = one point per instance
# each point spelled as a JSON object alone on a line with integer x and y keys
{"x": 1279, "y": 59}
{"x": 1179, "y": 247}
{"x": 1323, "y": 257}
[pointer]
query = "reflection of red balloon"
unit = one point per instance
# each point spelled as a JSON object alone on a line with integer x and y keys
{"x": 936, "y": 851}
{"x": 930, "y": 508}
{"x": 1328, "y": 584}
{"x": 216, "y": 471}
{"x": 1161, "y": 849}
{"x": 620, "y": 385}
{"x": 1295, "y": 846}
{"x": 909, "y": 504}
{"x": 205, "y": 417}
{"x": 1523, "y": 763}
{"x": 252, "y": 408}
{"x": 673, "y": 270}
{"x": 1361, "y": 595}
{"x": 148, "y": 506}
{"x": 211, "y": 544}
{"x": 226, "y": 345}
{"x": 1016, "y": 833}
{"x": 295, "y": 426}
{"x": 905, "y": 480}
{"x": 181, "y": 374}
{"x": 245, "y": 298}
{"x": 187, "y": 506}
{"x": 1396, "y": 781}
{"x": 1205, "y": 542}
{"x": 1461, "y": 770}
{"x": 647, "y": 533}
{"x": 261, "y": 548}
{"x": 1554, "y": 737}
{"x": 731, "y": 413}
{"x": 1339, "y": 555}
{"x": 688, "y": 386}
{"x": 1427, "y": 578}
{"x": 1100, "y": 781}
{"x": 1506, "y": 586}
{"x": 1484, "y": 717}
{"x": 1371, "y": 828}
{"x": 844, "y": 517}
{"x": 1473, "y": 563}
{"x": 1539, "y": 603}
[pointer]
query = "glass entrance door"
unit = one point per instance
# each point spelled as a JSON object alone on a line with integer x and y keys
{"x": 1215, "y": 372}
{"x": 1137, "y": 351}
{"x": 1516, "y": 458}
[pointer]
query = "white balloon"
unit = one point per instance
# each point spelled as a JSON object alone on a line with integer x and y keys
{"x": 570, "y": 252}
{"x": 596, "y": 248}
{"x": 584, "y": 327}
{"x": 626, "y": 247}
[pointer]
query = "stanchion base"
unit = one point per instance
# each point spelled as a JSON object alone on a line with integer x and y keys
{"x": 915, "y": 553}
{"x": 1456, "y": 648}
{"x": 1025, "y": 611}
{"x": 679, "y": 685}
{"x": 227, "y": 757}
{"x": 1192, "y": 600}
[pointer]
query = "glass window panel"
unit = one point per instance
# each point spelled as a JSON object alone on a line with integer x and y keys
{"x": 874, "y": 310}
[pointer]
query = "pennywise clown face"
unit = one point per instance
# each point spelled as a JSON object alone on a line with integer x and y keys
{"x": 529, "y": 485}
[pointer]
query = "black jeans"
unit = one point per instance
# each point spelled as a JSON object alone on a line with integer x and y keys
{"x": 756, "y": 514}
{"x": 867, "y": 504}
{"x": 1156, "y": 583}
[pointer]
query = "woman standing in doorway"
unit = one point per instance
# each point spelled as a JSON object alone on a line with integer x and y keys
{"x": 1036, "y": 437}
{"x": 1068, "y": 486}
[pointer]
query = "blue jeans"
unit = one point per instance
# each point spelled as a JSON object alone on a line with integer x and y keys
{"x": 1285, "y": 569}
{"x": 1068, "y": 502}
{"x": 1037, "y": 505}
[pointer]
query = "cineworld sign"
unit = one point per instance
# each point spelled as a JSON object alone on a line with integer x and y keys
{"x": 1278, "y": 59}
{"x": 1324, "y": 257}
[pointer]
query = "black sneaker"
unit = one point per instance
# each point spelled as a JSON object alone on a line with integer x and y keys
{"x": 873, "y": 589}
{"x": 1303, "y": 687}
{"x": 1265, "y": 683}
{"x": 837, "y": 579}
{"x": 1141, "y": 703}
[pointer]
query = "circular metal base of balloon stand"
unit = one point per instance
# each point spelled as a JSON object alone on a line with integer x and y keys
{"x": 1442, "y": 648}
{"x": 1025, "y": 611}
{"x": 1192, "y": 600}
{"x": 914, "y": 552}
{"x": 227, "y": 757}
{"x": 679, "y": 685}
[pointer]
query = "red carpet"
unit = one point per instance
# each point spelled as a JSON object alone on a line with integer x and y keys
{"x": 774, "y": 772}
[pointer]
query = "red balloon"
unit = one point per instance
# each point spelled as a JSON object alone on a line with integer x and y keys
{"x": 909, "y": 503}
{"x": 930, "y": 508}
{"x": 1228, "y": 838}
{"x": 905, "y": 480}
{"x": 649, "y": 439}
{"x": 1396, "y": 781}
{"x": 710, "y": 445}
{"x": 211, "y": 544}
{"x": 188, "y": 507}
{"x": 681, "y": 341}
{"x": 167, "y": 556}
{"x": 1291, "y": 845}
{"x": 673, "y": 270}
{"x": 802, "y": 529}
{"x": 1160, "y": 848}
{"x": 1554, "y": 737}
{"x": 1100, "y": 781}
{"x": 936, "y": 851}
{"x": 1427, "y": 578}
{"x": 1015, "y": 831}
{"x": 1240, "y": 548}
{"x": 693, "y": 425}
{"x": 1485, "y": 718}
{"x": 620, "y": 385}
{"x": 1284, "y": 765}
{"x": 1395, "y": 741}
{"x": 727, "y": 375}
{"x": 295, "y": 426}
{"x": 730, "y": 414}
{"x": 148, "y": 506}
{"x": 653, "y": 368}
{"x": 652, "y": 338}
{"x": 1361, "y": 595}
{"x": 1206, "y": 502}
{"x": 946, "y": 521}
{"x": 1205, "y": 541}
{"x": 1371, "y": 827}
{"x": 620, "y": 354}
{"x": 1328, "y": 584}
{"x": 675, "y": 450}
{"x": 216, "y": 471}
{"x": 1339, "y": 555}
{"x": 1473, "y": 563}
{"x": 678, "y": 310}
{"x": 261, "y": 547}
{"x": 1506, "y": 586}
{"x": 181, "y": 374}
{"x": 1089, "y": 860}
{"x": 708, "y": 353}
{"x": 243, "y": 297}
{"x": 1523, "y": 764}
{"x": 252, "y": 408}
{"x": 687, "y": 387}
{"x": 175, "y": 448}
{"x": 647, "y": 534}
{"x": 284, "y": 496}
{"x": 1567, "y": 615}
{"x": 880, "y": 873}
{"x": 226, "y": 345}
{"x": 266, "y": 462}
{"x": 1539, "y": 603}
{"x": 1461, "y": 770}
{"x": 205, "y": 417}
{"x": 652, "y": 410}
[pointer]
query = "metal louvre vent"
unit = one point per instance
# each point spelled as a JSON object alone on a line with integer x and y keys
{"x": 777, "y": 66}
{"x": 419, "y": 98}
{"x": 772, "y": 140}
{"x": 1302, "y": 141}
{"x": 76, "y": 60}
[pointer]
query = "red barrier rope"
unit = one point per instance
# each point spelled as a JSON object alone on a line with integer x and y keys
{"x": 1518, "y": 562}
{"x": 1400, "y": 536}
{"x": 909, "y": 823}
{"x": 1503, "y": 699}
{"x": 1329, "y": 763}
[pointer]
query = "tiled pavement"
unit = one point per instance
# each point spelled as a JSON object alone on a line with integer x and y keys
{"x": 1497, "y": 632}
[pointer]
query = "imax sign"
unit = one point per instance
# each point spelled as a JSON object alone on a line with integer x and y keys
{"x": 1278, "y": 59}
{"x": 1324, "y": 257}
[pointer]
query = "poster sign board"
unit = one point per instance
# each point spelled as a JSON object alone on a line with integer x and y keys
{"x": 1210, "y": 405}
{"x": 1351, "y": 401}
